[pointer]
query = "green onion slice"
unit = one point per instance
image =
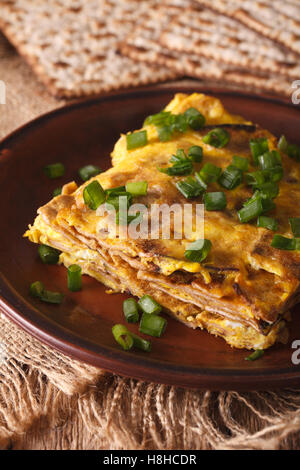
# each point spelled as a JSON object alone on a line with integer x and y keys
{"x": 141, "y": 343}
{"x": 258, "y": 147}
{"x": 189, "y": 188}
{"x": 267, "y": 222}
{"x": 283, "y": 243}
{"x": 295, "y": 226}
{"x": 88, "y": 171}
{"x": 240, "y": 162}
{"x": 198, "y": 250}
{"x": 194, "y": 118}
{"x": 231, "y": 177}
{"x": 74, "y": 277}
{"x": 217, "y": 137}
{"x": 137, "y": 188}
{"x": 269, "y": 160}
{"x": 37, "y": 289}
{"x": 130, "y": 310}
{"x": 55, "y": 170}
{"x": 195, "y": 153}
{"x": 149, "y": 305}
{"x": 152, "y": 325}
{"x": 292, "y": 150}
{"x": 255, "y": 355}
{"x": 122, "y": 336}
{"x": 251, "y": 210}
{"x": 48, "y": 254}
{"x": 136, "y": 140}
{"x": 215, "y": 201}
{"x": 93, "y": 195}
{"x": 210, "y": 172}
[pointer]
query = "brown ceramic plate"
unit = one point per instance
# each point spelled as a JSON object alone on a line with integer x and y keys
{"x": 81, "y": 326}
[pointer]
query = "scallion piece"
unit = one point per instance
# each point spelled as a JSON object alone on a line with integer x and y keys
{"x": 210, "y": 172}
{"x": 269, "y": 160}
{"x": 201, "y": 181}
{"x": 258, "y": 147}
{"x": 37, "y": 289}
{"x": 283, "y": 144}
{"x": 194, "y": 118}
{"x": 130, "y": 310}
{"x": 141, "y": 343}
{"x": 164, "y": 133}
{"x": 55, "y": 170}
{"x": 240, "y": 162}
{"x": 157, "y": 119}
{"x": 189, "y": 188}
{"x": 93, "y": 195}
{"x": 267, "y": 222}
{"x": 149, "y": 305}
{"x": 295, "y": 226}
{"x": 136, "y": 140}
{"x": 48, "y": 254}
{"x": 57, "y": 192}
{"x": 255, "y": 355}
{"x": 215, "y": 201}
{"x": 122, "y": 336}
{"x": 74, "y": 278}
{"x": 195, "y": 153}
{"x": 256, "y": 177}
{"x": 283, "y": 243}
{"x": 88, "y": 171}
{"x": 231, "y": 177}
{"x": 217, "y": 137}
{"x": 137, "y": 188}
{"x": 152, "y": 325}
{"x": 198, "y": 250}
{"x": 252, "y": 210}
{"x": 292, "y": 150}
{"x": 269, "y": 189}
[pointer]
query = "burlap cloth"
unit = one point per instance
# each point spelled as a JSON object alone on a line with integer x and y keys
{"x": 48, "y": 401}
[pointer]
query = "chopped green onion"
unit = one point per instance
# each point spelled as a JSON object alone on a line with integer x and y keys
{"x": 136, "y": 140}
{"x": 201, "y": 181}
{"x": 57, "y": 192}
{"x": 194, "y": 118}
{"x": 114, "y": 199}
{"x": 189, "y": 188}
{"x": 88, "y": 171}
{"x": 164, "y": 133}
{"x": 283, "y": 243}
{"x": 295, "y": 226}
{"x": 269, "y": 189}
{"x": 48, "y": 254}
{"x": 52, "y": 297}
{"x": 74, "y": 277}
{"x": 152, "y": 325}
{"x": 231, "y": 177}
{"x": 195, "y": 153}
{"x": 255, "y": 355}
{"x": 93, "y": 195}
{"x": 149, "y": 305}
{"x": 55, "y": 170}
{"x": 137, "y": 188}
{"x": 37, "y": 289}
{"x": 130, "y": 310}
{"x": 240, "y": 162}
{"x": 118, "y": 189}
{"x": 157, "y": 119}
{"x": 269, "y": 160}
{"x": 258, "y": 147}
{"x": 255, "y": 177}
{"x": 215, "y": 201}
{"x": 197, "y": 251}
{"x": 267, "y": 222}
{"x": 178, "y": 123}
{"x": 209, "y": 172}
{"x": 141, "y": 343}
{"x": 252, "y": 210}
{"x": 122, "y": 336}
{"x": 217, "y": 137}
{"x": 292, "y": 150}
{"x": 266, "y": 201}
{"x": 181, "y": 165}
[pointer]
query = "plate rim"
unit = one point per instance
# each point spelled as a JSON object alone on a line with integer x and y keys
{"x": 114, "y": 360}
